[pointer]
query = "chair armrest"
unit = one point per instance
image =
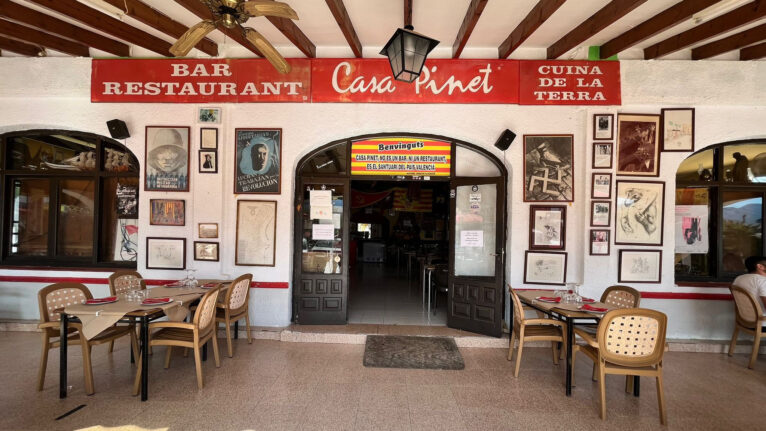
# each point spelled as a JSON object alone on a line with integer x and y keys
{"x": 56, "y": 325}
{"x": 588, "y": 338}
{"x": 544, "y": 322}
{"x": 179, "y": 325}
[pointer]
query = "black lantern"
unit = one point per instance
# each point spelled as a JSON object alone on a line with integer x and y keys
{"x": 407, "y": 51}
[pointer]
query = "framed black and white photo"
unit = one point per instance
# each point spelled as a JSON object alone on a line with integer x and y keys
{"x": 204, "y": 250}
{"x": 545, "y": 267}
{"x": 165, "y": 253}
{"x": 127, "y": 201}
{"x": 208, "y": 138}
{"x": 600, "y": 213}
{"x": 209, "y": 115}
{"x": 599, "y": 242}
{"x": 602, "y": 155}
{"x": 208, "y": 230}
{"x": 167, "y": 159}
{"x": 547, "y": 229}
{"x": 638, "y": 145}
{"x": 208, "y": 161}
{"x": 601, "y": 186}
{"x": 257, "y": 161}
{"x": 548, "y": 168}
{"x": 639, "y": 212}
{"x": 603, "y": 126}
{"x": 640, "y": 266}
{"x": 678, "y": 129}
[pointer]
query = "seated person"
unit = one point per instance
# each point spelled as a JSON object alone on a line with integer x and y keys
{"x": 755, "y": 280}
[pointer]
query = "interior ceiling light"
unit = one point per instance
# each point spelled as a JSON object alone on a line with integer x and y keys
{"x": 717, "y": 10}
{"x": 406, "y": 52}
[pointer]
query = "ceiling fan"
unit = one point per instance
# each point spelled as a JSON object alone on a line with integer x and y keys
{"x": 232, "y": 14}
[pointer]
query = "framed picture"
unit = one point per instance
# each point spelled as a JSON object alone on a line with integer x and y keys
{"x": 639, "y": 212}
{"x": 127, "y": 201}
{"x": 547, "y": 229}
{"x": 208, "y": 161}
{"x": 204, "y": 250}
{"x": 602, "y": 155}
{"x": 603, "y": 126}
{"x": 256, "y": 233}
{"x": 167, "y": 212}
{"x": 600, "y": 213}
{"x": 208, "y": 230}
{"x": 209, "y": 115}
{"x": 601, "y": 186}
{"x": 638, "y": 137}
{"x": 208, "y": 138}
{"x": 545, "y": 267}
{"x": 165, "y": 253}
{"x": 167, "y": 159}
{"x": 257, "y": 161}
{"x": 678, "y": 129}
{"x": 548, "y": 168}
{"x": 599, "y": 242}
{"x": 640, "y": 266}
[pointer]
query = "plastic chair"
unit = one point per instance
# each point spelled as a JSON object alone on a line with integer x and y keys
{"x": 750, "y": 319}
{"x": 235, "y": 307}
{"x": 533, "y": 330}
{"x": 122, "y": 282}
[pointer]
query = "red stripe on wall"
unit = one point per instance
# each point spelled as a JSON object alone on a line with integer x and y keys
{"x": 677, "y": 295}
{"x": 32, "y": 279}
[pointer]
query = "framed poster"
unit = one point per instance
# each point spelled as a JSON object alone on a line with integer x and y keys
{"x": 208, "y": 161}
{"x": 209, "y": 115}
{"x": 692, "y": 229}
{"x": 638, "y": 137}
{"x": 602, "y": 155}
{"x": 257, "y": 161}
{"x": 545, "y": 267}
{"x": 165, "y": 253}
{"x": 208, "y": 138}
{"x": 204, "y": 250}
{"x": 127, "y": 201}
{"x": 548, "y": 168}
{"x": 678, "y": 129}
{"x": 640, "y": 266}
{"x": 639, "y": 212}
{"x": 603, "y": 126}
{"x": 599, "y": 242}
{"x": 600, "y": 213}
{"x": 208, "y": 230}
{"x": 256, "y": 233}
{"x": 601, "y": 186}
{"x": 167, "y": 212}
{"x": 547, "y": 230}
{"x": 167, "y": 159}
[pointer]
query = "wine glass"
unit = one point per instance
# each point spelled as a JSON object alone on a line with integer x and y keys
{"x": 192, "y": 280}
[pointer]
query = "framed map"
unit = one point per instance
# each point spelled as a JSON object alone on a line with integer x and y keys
{"x": 256, "y": 233}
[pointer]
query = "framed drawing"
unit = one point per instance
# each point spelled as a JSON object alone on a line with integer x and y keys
{"x": 599, "y": 242}
{"x": 165, "y": 253}
{"x": 204, "y": 250}
{"x": 545, "y": 267}
{"x": 547, "y": 230}
{"x": 601, "y": 186}
{"x": 208, "y": 138}
{"x": 639, "y": 212}
{"x": 603, "y": 126}
{"x": 167, "y": 159}
{"x": 257, "y": 161}
{"x": 208, "y": 230}
{"x": 548, "y": 168}
{"x": 167, "y": 212}
{"x": 209, "y": 115}
{"x": 208, "y": 161}
{"x": 678, "y": 129}
{"x": 602, "y": 155}
{"x": 638, "y": 137}
{"x": 640, "y": 266}
{"x": 600, "y": 213}
{"x": 256, "y": 233}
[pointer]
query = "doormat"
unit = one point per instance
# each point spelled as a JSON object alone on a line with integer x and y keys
{"x": 398, "y": 351}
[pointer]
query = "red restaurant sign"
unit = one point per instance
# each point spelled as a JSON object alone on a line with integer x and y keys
{"x": 522, "y": 82}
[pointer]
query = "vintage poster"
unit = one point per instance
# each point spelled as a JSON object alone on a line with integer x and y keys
{"x": 548, "y": 168}
{"x": 691, "y": 229}
{"x": 257, "y": 161}
{"x": 126, "y": 241}
{"x": 127, "y": 201}
{"x": 167, "y": 159}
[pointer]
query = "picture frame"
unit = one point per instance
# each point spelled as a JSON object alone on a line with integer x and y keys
{"x": 257, "y": 161}
{"x": 166, "y": 159}
{"x": 545, "y": 267}
{"x": 165, "y": 253}
{"x": 208, "y": 138}
{"x": 601, "y": 185}
{"x": 602, "y": 155}
{"x": 208, "y": 162}
{"x": 599, "y": 242}
{"x": 640, "y": 266}
{"x": 167, "y": 212}
{"x": 638, "y": 145}
{"x": 206, "y": 250}
{"x": 639, "y": 212}
{"x": 207, "y": 230}
{"x": 209, "y": 115}
{"x": 603, "y": 126}
{"x": 677, "y": 129}
{"x": 256, "y": 233}
{"x": 548, "y": 168}
{"x": 547, "y": 227}
{"x": 600, "y": 213}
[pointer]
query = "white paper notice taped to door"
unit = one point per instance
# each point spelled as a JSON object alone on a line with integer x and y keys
{"x": 320, "y": 203}
{"x": 472, "y": 238}
{"x": 323, "y": 232}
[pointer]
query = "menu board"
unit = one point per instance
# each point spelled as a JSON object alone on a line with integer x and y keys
{"x": 401, "y": 156}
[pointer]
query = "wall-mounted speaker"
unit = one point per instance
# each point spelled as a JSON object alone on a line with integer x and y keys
{"x": 505, "y": 139}
{"x": 118, "y": 129}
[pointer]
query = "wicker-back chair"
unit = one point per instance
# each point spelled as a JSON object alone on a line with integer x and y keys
{"x": 235, "y": 307}
{"x": 621, "y": 296}
{"x": 122, "y": 282}
{"x": 539, "y": 329}
{"x": 750, "y": 319}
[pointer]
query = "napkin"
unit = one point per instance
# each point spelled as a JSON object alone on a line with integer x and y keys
{"x": 588, "y": 300}
{"x": 592, "y": 308}
{"x": 550, "y": 298}
{"x": 101, "y": 300}
{"x": 209, "y": 285}
{"x": 174, "y": 284}
{"x": 151, "y": 301}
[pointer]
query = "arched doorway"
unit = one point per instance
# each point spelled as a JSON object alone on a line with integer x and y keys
{"x": 474, "y": 217}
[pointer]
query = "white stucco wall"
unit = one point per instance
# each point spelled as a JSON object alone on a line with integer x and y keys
{"x": 729, "y": 99}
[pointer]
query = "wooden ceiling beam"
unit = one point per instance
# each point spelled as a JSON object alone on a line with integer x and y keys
{"x": 24, "y": 15}
{"x": 27, "y": 34}
{"x": 600, "y": 20}
{"x": 340, "y": 13}
{"x": 743, "y": 15}
{"x": 730, "y": 43}
{"x": 21, "y": 47}
{"x": 408, "y": 12}
{"x": 105, "y": 23}
{"x": 664, "y": 20}
{"x": 534, "y": 19}
{"x": 197, "y": 8}
{"x": 469, "y": 22}
{"x": 146, "y": 14}
{"x": 754, "y": 52}
{"x": 294, "y": 35}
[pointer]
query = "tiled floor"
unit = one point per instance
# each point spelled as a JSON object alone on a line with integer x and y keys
{"x": 302, "y": 386}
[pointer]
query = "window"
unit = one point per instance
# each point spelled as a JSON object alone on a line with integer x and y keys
{"x": 60, "y": 200}
{"x": 720, "y": 195}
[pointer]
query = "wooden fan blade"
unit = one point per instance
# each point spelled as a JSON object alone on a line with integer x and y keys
{"x": 188, "y": 40}
{"x": 268, "y": 50}
{"x": 268, "y": 8}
